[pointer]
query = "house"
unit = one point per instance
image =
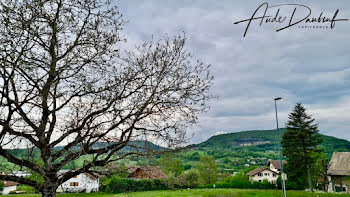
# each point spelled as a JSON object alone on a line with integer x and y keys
{"x": 84, "y": 182}
{"x": 146, "y": 172}
{"x": 339, "y": 172}
{"x": 275, "y": 165}
{"x": 269, "y": 172}
{"x": 9, "y": 186}
{"x": 263, "y": 173}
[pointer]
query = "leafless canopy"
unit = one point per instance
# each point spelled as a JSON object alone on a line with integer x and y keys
{"x": 64, "y": 82}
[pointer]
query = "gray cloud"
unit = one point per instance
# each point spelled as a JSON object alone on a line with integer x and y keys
{"x": 301, "y": 65}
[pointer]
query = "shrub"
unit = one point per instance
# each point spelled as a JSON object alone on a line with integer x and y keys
{"x": 290, "y": 184}
{"x": 116, "y": 184}
{"x": 159, "y": 184}
{"x": 240, "y": 180}
{"x": 208, "y": 169}
{"x": 2, "y": 185}
{"x": 187, "y": 166}
{"x": 27, "y": 189}
{"x": 171, "y": 181}
{"x": 192, "y": 178}
{"x": 263, "y": 185}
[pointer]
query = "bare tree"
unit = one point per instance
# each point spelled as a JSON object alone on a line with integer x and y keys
{"x": 64, "y": 82}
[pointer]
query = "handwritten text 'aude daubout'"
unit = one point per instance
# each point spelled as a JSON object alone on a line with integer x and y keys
{"x": 291, "y": 19}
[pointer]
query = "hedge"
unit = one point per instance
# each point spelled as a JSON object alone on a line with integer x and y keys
{"x": 117, "y": 184}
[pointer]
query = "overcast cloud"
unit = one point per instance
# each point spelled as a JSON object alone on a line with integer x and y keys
{"x": 311, "y": 66}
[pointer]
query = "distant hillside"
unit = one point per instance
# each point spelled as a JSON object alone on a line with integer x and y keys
{"x": 241, "y": 150}
{"x": 243, "y": 138}
{"x": 263, "y": 139}
{"x": 232, "y": 152}
{"x": 331, "y": 144}
{"x": 132, "y": 146}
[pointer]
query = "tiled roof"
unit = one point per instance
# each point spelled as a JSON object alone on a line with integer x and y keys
{"x": 276, "y": 163}
{"x": 10, "y": 183}
{"x": 151, "y": 172}
{"x": 258, "y": 170}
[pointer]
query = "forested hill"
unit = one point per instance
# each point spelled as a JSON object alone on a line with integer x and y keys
{"x": 233, "y": 151}
{"x": 265, "y": 140}
{"x": 242, "y": 138}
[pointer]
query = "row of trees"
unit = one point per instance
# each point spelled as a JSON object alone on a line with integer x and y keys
{"x": 206, "y": 172}
{"x": 306, "y": 162}
{"x": 203, "y": 175}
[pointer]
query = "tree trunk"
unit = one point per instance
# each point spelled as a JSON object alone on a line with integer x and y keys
{"x": 309, "y": 178}
{"x": 307, "y": 164}
{"x": 325, "y": 176}
{"x": 48, "y": 192}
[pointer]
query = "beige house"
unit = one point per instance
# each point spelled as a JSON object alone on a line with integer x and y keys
{"x": 263, "y": 173}
{"x": 339, "y": 172}
{"x": 269, "y": 173}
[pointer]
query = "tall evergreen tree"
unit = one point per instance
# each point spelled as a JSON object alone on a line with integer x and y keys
{"x": 300, "y": 143}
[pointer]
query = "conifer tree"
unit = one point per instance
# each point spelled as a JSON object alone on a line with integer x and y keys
{"x": 300, "y": 144}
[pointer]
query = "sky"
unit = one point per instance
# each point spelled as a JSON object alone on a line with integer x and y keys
{"x": 306, "y": 65}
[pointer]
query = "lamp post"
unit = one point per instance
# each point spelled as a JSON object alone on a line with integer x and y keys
{"x": 279, "y": 149}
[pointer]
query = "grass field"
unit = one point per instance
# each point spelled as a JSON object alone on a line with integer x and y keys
{"x": 205, "y": 193}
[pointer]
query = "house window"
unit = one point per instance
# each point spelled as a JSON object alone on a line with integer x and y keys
{"x": 73, "y": 184}
{"x": 260, "y": 174}
{"x": 274, "y": 175}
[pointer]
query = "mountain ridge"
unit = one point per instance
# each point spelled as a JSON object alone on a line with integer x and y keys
{"x": 264, "y": 137}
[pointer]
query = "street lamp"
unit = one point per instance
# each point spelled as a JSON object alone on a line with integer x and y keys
{"x": 279, "y": 149}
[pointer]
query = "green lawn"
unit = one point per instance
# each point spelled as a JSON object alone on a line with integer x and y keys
{"x": 205, "y": 193}
{"x": 227, "y": 193}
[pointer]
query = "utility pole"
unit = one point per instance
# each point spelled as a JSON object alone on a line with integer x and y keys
{"x": 279, "y": 149}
